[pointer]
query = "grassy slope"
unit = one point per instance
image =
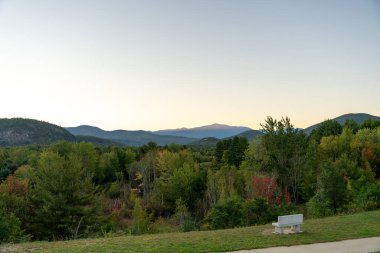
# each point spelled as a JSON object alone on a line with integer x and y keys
{"x": 317, "y": 230}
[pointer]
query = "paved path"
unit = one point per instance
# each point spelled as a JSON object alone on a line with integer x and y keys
{"x": 364, "y": 245}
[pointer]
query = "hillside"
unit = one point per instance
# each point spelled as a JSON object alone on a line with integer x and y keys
{"x": 219, "y": 131}
{"x": 250, "y": 134}
{"x": 97, "y": 141}
{"x": 18, "y": 131}
{"x": 205, "y": 142}
{"x": 212, "y": 141}
{"x": 357, "y": 117}
{"x": 130, "y": 138}
{"x": 329, "y": 229}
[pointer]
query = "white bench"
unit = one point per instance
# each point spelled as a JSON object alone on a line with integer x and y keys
{"x": 294, "y": 221}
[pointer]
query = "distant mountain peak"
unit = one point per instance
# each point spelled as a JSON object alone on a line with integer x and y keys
{"x": 220, "y": 126}
{"x": 89, "y": 126}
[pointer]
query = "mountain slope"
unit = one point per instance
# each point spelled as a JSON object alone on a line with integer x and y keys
{"x": 204, "y": 142}
{"x": 215, "y": 130}
{"x": 250, "y": 134}
{"x": 212, "y": 141}
{"x": 97, "y": 141}
{"x": 18, "y": 131}
{"x": 131, "y": 138}
{"x": 357, "y": 117}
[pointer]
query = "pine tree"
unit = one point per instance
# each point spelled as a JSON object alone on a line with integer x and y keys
{"x": 63, "y": 197}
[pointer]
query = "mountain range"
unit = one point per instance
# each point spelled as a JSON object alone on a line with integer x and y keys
{"x": 216, "y": 130}
{"x": 18, "y": 131}
{"x": 182, "y": 136}
{"x": 130, "y": 138}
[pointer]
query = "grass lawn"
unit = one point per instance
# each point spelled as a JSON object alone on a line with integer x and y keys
{"x": 366, "y": 224}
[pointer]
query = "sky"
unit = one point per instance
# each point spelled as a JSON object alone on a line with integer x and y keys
{"x": 163, "y": 64}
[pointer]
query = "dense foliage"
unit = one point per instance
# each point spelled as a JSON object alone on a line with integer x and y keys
{"x": 74, "y": 190}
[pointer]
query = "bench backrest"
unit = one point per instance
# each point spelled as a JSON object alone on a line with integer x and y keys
{"x": 290, "y": 219}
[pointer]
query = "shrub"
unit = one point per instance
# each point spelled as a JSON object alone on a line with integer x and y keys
{"x": 331, "y": 193}
{"x": 257, "y": 211}
{"x": 318, "y": 207}
{"x": 114, "y": 191}
{"x": 140, "y": 219}
{"x": 267, "y": 188}
{"x": 186, "y": 221}
{"x": 10, "y": 228}
{"x": 226, "y": 214}
{"x": 367, "y": 199}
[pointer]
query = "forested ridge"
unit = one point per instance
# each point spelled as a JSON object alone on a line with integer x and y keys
{"x": 19, "y": 131}
{"x": 69, "y": 190}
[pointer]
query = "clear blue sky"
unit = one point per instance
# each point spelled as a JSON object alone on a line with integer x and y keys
{"x": 166, "y": 64}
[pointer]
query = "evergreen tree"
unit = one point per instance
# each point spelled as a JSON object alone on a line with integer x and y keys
{"x": 63, "y": 197}
{"x": 326, "y": 128}
{"x": 331, "y": 192}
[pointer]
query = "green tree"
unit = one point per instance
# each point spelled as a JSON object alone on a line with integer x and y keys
{"x": 130, "y": 158}
{"x": 108, "y": 167}
{"x": 181, "y": 179}
{"x": 186, "y": 222}
{"x": 231, "y": 151}
{"x": 62, "y": 196}
{"x": 283, "y": 154}
{"x": 257, "y": 211}
{"x": 331, "y": 193}
{"x": 226, "y": 214}
{"x": 351, "y": 124}
{"x": 370, "y": 124}
{"x": 140, "y": 218}
{"x": 144, "y": 173}
{"x": 326, "y": 128}
{"x": 310, "y": 171}
{"x": 10, "y": 227}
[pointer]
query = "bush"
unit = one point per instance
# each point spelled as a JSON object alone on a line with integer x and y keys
{"x": 331, "y": 194}
{"x": 10, "y": 228}
{"x": 257, "y": 211}
{"x": 226, "y": 214}
{"x": 114, "y": 191}
{"x": 367, "y": 199}
{"x": 140, "y": 219}
{"x": 186, "y": 221}
{"x": 318, "y": 207}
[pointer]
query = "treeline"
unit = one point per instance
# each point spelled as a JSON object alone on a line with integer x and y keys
{"x": 76, "y": 190}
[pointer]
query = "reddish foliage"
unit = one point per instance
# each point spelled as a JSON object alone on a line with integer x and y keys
{"x": 18, "y": 187}
{"x": 267, "y": 188}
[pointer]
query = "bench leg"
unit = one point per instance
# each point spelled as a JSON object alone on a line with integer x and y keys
{"x": 278, "y": 230}
{"x": 296, "y": 228}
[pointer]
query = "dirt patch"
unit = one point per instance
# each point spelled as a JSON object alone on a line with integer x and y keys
{"x": 268, "y": 231}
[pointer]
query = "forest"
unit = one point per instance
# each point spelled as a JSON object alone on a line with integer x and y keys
{"x": 77, "y": 190}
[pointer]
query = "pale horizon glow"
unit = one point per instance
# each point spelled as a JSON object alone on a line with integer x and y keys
{"x": 165, "y": 64}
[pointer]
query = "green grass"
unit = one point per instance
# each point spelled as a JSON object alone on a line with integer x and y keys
{"x": 336, "y": 228}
